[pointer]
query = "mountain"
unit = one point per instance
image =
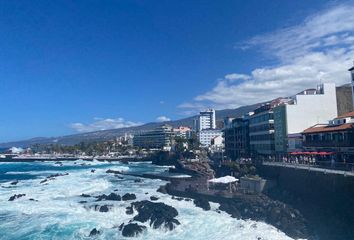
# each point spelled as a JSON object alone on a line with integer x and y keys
{"x": 112, "y": 133}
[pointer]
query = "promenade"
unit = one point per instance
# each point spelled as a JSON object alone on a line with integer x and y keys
{"x": 314, "y": 168}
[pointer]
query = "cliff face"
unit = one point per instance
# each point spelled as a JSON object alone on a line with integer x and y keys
{"x": 344, "y": 99}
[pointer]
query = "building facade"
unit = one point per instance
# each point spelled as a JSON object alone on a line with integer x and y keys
{"x": 297, "y": 113}
{"x": 261, "y": 130}
{"x": 236, "y": 136}
{"x": 182, "y": 131}
{"x": 351, "y": 70}
{"x": 337, "y": 137}
{"x": 205, "y": 136}
{"x": 207, "y": 120}
{"x": 161, "y": 137}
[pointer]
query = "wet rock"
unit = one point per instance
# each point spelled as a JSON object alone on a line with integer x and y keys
{"x": 34, "y": 200}
{"x": 85, "y": 195}
{"x": 187, "y": 199}
{"x": 113, "y": 197}
{"x": 132, "y": 230}
{"x": 53, "y": 176}
{"x": 153, "y": 198}
{"x": 94, "y": 232}
{"x": 103, "y": 208}
{"x": 129, "y": 210}
{"x": 14, "y": 182}
{"x": 93, "y": 170}
{"x": 162, "y": 189}
{"x": 202, "y": 203}
{"x": 121, "y": 227}
{"x": 16, "y": 196}
{"x": 83, "y": 202}
{"x": 138, "y": 180}
{"x": 158, "y": 214}
{"x": 110, "y": 197}
{"x": 57, "y": 175}
{"x": 113, "y": 171}
{"x": 128, "y": 196}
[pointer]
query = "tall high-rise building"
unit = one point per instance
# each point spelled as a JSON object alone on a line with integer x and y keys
{"x": 207, "y": 120}
{"x": 352, "y": 73}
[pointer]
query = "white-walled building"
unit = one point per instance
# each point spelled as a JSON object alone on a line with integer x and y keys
{"x": 352, "y": 73}
{"x": 305, "y": 109}
{"x": 205, "y": 136}
{"x": 207, "y": 120}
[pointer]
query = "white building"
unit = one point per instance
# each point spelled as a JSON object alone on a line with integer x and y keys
{"x": 205, "y": 136}
{"x": 352, "y": 73}
{"x": 182, "y": 131}
{"x": 207, "y": 120}
{"x": 305, "y": 109}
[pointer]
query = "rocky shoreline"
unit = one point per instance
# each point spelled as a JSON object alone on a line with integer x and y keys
{"x": 257, "y": 207}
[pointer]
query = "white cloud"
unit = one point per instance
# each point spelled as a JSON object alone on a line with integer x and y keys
{"x": 320, "y": 49}
{"x": 163, "y": 119}
{"x": 103, "y": 124}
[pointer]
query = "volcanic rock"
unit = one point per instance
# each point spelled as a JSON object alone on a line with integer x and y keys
{"x": 202, "y": 203}
{"x": 153, "y": 198}
{"x": 113, "y": 171}
{"x": 94, "y": 232}
{"x": 132, "y": 230}
{"x": 128, "y": 196}
{"x": 158, "y": 214}
{"x": 16, "y": 196}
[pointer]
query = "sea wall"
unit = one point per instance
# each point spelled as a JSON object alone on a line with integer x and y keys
{"x": 326, "y": 199}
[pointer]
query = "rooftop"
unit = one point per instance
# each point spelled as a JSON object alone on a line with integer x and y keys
{"x": 346, "y": 115}
{"x": 328, "y": 128}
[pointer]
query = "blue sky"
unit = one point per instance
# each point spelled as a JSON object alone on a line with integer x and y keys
{"x": 76, "y": 66}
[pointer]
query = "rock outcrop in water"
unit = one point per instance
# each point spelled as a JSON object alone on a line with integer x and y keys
{"x": 153, "y": 198}
{"x": 16, "y": 196}
{"x": 132, "y": 230}
{"x": 262, "y": 208}
{"x": 94, "y": 232}
{"x": 14, "y": 182}
{"x": 113, "y": 171}
{"x": 103, "y": 208}
{"x": 110, "y": 197}
{"x": 202, "y": 203}
{"x": 128, "y": 196}
{"x": 53, "y": 176}
{"x": 159, "y": 214}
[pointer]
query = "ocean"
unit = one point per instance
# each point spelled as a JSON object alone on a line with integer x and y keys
{"x": 57, "y": 214}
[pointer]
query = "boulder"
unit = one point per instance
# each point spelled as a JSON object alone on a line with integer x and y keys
{"x": 153, "y": 198}
{"x": 202, "y": 203}
{"x": 162, "y": 189}
{"x": 129, "y": 210}
{"x": 113, "y": 197}
{"x": 14, "y": 182}
{"x": 94, "y": 232}
{"x": 158, "y": 214}
{"x": 128, "y": 196}
{"x": 103, "y": 208}
{"x": 132, "y": 230}
{"x": 113, "y": 171}
{"x": 93, "y": 170}
{"x": 85, "y": 195}
{"x": 16, "y": 196}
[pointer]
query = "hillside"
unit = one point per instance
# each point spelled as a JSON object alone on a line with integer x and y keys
{"x": 112, "y": 133}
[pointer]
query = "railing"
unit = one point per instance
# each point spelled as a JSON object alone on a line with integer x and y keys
{"x": 330, "y": 165}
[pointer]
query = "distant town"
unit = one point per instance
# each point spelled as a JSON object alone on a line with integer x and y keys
{"x": 314, "y": 126}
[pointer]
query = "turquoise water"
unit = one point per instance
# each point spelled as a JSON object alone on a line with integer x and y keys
{"x": 57, "y": 213}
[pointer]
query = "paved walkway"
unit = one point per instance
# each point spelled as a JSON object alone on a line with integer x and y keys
{"x": 310, "y": 168}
